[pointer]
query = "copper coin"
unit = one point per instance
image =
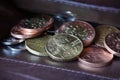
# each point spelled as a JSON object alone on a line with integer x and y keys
{"x": 102, "y": 31}
{"x": 95, "y": 57}
{"x": 15, "y": 32}
{"x": 112, "y": 43}
{"x": 81, "y": 29}
{"x": 64, "y": 47}
{"x": 36, "y": 24}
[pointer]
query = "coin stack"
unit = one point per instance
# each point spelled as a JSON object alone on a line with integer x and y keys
{"x": 92, "y": 56}
{"x": 28, "y": 28}
{"x": 32, "y": 27}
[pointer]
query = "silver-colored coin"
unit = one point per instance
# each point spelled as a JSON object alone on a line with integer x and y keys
{"x": 11, "y": 41}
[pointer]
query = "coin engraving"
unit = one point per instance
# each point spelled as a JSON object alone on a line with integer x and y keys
{"x": 81, "y": 29}
{"x": 64, "y": 46}
{"x": 102, "y": 31}
{"x": 113, "y": 41}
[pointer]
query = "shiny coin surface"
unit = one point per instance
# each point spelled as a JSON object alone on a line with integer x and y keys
{"x": 37, "y": 45}
{"x": 36, "y": 24}
{"x": 112, "y": 43}
{"x": 11, "y": 41}
{"x": 13, "y": 50}
{"x": 102, "y": 31}
{"x": 16, "y": 32}
{"x": 95, "y": 57}
{"x": 17, "y": 47}
{"x": 81, "y": 29}
{"x": 64, "y": 47}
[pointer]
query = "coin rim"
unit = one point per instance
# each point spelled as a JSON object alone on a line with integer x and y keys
{"x": 108, "y": 48}
{"x": 103, "y": 26}
{"x": 34, "y": 51}
{"x": 85, "y": 42}
{"x": 21, "y": 35}
{"x": 65, "y": 59}
{"x": 96, "y": 65}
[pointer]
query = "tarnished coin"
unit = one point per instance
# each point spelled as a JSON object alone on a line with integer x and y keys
{"x": 11, "y": 41}
{"x": 37, "y": 45}
{"x": 36, "y": 24}
{"x": 102, "y": 31}
{"x": 95, "y": 57}
{"x": 81, "y": 29}
{"x": 64, "y": 47}
{"x": 112, "y": 43}
{"x": 16, "y": 32}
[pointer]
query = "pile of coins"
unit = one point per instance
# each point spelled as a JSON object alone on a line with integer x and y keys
{"x": 78, "y": 40}
{"x": 93, "y": 47}
{"x": 32, "y": 27}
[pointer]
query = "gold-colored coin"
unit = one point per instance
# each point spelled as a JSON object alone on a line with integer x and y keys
{"x": 64, "y": 47}
{"x": 36, "y": 45}
{"x": 102, "y": 31}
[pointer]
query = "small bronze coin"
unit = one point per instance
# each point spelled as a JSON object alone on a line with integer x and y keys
{"x": 36, "y": 45}
{"x": 36, "y": 24}
{"x": 101, "y": 32}
{"x": 16, "y": 32}
{"x": 112, "y": 43}
{"x": 95, "y": 57}
{"x": 64, "y": 47}
{"x": 81, "y": 29}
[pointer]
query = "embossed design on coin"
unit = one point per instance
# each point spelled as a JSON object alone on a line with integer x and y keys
{"x": 95, "y": 57}
{"x": 64, "y": 47}
{"x": 37, "y": 45}
{"x": 81, "y": 29}
{"x": 112, "y": 43}
{"x": 102, "y": 31}
{"x": 36, "y": 24}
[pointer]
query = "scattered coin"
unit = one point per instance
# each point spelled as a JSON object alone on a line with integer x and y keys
{"x": 95, "y": 57}
{"x": 112, "y": 43}
{"x": 64, "y": 47}
{"x": 36, "y": 24}
{"x": 36, "y": 45}
{"x": 15, "y": 32}
{"x": 101, "y": 32}
{"x": 11, "y": 41}
{"x": 81, "y": 29}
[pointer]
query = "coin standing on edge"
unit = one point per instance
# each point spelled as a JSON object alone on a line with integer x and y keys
{"x": 81, "y": 29}
{"x": 102, "y": 31}
{"x": 64, "y": 47}
{"x": 36, "y": 46}
{"x": 95, "y": 57}
{"x": 112, "y": 43}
